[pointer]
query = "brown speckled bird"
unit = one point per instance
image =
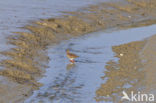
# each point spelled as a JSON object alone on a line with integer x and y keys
{"x": 71, "y": 56}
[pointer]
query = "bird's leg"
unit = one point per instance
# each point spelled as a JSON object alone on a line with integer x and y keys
{"x": 72, "y": 60}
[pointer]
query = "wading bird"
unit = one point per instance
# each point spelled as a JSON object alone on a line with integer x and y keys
{"x": 71, "y": 56}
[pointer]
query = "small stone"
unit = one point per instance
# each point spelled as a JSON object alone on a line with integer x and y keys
{"x": 121, "y": 54}
{"x": 129, "y": 16}
{"x": 107, "y": 95}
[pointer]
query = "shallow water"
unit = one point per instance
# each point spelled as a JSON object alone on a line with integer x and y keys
{"x": 77, "y": 83}
{"x": 15, "y": 14}
{"x": 18, "y": 13}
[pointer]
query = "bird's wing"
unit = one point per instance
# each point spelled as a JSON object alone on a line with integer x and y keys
{"x": 73, "y": 55}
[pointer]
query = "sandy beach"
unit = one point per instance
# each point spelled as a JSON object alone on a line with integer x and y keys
{"x": 28, "y": 58}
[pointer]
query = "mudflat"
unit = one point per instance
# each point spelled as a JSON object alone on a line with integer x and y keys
{"x": 28, "y": 58}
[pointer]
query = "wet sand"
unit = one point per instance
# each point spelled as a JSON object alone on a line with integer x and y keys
{"x": 148, "y": 54}
{"x": 28, "y": 58}
{"x": 95, "y": 50}
{"x": 134, "y": 71}
{"x": 125, "y": 74}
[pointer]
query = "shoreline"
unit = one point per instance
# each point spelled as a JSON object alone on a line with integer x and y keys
{"x": 29, "y": 58}
{"x": 129, "y": 72}
{"x": 147, "y": 54}
{"x": 136, "y": 69}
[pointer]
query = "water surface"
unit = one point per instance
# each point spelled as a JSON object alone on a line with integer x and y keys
{"x": 77, "y": 83}
{"x": 18, "y": 13}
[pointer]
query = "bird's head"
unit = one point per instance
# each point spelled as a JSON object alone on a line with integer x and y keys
{"x": 67, "y": 50}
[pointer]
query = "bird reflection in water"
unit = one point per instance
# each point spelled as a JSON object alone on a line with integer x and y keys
{"x": 70, "y": 66}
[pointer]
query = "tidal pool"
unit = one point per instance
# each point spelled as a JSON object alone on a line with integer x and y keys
{"x": 77, "y": 83}
{"x": 18, "y": 13}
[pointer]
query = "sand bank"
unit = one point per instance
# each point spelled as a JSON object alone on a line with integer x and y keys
{"x": 126, "y": 72}
{"x": 148, "y": 56}
{"x": 28, "y": 59}
{"x": 134, "y": 71}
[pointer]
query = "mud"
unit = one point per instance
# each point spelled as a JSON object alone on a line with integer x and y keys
{"x": 149, "y": 66}
{"x": 134, "y": 71}
{"x": 27, "y": 60}
{"x": 125, "y": 74}
{"x": 12, "y": 92}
